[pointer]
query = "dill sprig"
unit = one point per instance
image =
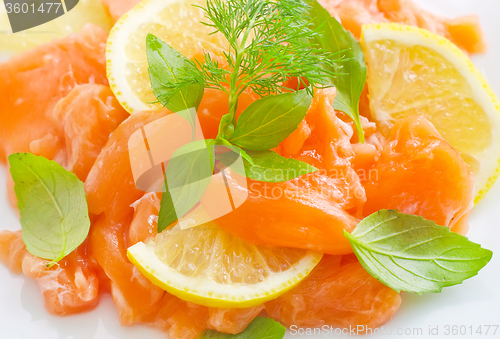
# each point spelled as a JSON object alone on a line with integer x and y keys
{"x": 269, "y": 42}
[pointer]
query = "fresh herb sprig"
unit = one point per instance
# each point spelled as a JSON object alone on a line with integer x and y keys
{"x": 412, "y": 254}
{"x": 269, "y": 42}
{"x": 405, "y": 252}
{"x": 52, "y": 204}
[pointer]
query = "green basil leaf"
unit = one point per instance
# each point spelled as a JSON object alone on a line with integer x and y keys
{"x": 190, "y": 116}
{"x": 53, "y": 206}
{"x": 226, "y": 127}
{"x": 412, "y": 254}
{"x": 259, "y": 328}
{"x": 351, "y": 75}
{"x": 268, "y": 121}
{"x": 167, "y": 213}
{"x": 188, "y": 175}
{"x": 235, "y": 150}
{"x": 166, "y": 67}
{"x": 246, "y": 156}
{"x": 268, "y": 166}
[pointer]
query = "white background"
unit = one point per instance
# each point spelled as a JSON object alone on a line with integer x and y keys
{"x": 476, "y": 302}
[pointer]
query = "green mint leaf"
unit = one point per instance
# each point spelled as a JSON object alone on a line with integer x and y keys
{"x": 259, "y": 328}
{"x": 267, "y": 166}
{"x": 53, "y": 206}
{"x": 166, "y": 71}
{"x": 351, "y": 71}
{"x": 268, "y": 121}
{"x": 412, "y": 254}
{"x": 188, "y": 175}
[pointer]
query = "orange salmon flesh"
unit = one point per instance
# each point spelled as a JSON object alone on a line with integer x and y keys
{"x": 76, "y": 121}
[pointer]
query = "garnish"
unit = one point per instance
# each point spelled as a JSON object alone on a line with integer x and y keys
{"x": 268, "y": 121}
{"x": 269, "y": 43}
{"x": 165, "y": 68}
{"x": 187, "y": 175}
{"x": 262, "y": 328}
{"x": 267, "y": 166}
{"x": 412, "y": 254}
{"x": 166, "y": 65}
{"x": 350, "y": 77}
{"x": 53, "y": 207}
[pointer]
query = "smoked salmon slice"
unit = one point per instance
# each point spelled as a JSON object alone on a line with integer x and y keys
{"x": 339, "y": 294}
{"x": 63, "y": 114}
{"x": 464, "y": 31}
{"x": 420, "y": 173}
{"x": 32, "y": 83}
{"x": 70, "y": 286}
{"x": 55, "y": 102}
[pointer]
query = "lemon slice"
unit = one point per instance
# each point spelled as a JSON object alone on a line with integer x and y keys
{"x": 412, "y": 71}
{"x": 86, "y": 11}
{"x": 177, "y": 22}
{"x": 209, "y": 266}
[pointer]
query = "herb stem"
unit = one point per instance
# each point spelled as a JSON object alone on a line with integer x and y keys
{"x": 233, "y": 88}
{"x": 269, "y": 42}
{"x": 239, "y": 51}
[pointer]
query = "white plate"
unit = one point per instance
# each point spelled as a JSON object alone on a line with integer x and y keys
{"x": 470, "y": 305}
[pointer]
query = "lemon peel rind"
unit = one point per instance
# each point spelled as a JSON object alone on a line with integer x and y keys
{"x": 116, "y": 62}
{"x": 481, "y": 90}
{"x": 202, "y": 292}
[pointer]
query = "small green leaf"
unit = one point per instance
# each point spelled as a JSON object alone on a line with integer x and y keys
{"x": 351, "y": 72}
{"x": 166, "y": 68}
{"x": 188, "y": 175}
{"x": 412, "y": 254}
{"x": 226, "y": 127}
{"x": 268, "y": 166}
{"x": 167, "y": 213}
{"x": 246, "y": 156}
{"x": 235, "y": 150}
{"x": 259, "y": 328}
{"x": 190, "y": 116}
{"x": 53, "y": 206}
{"x": 268, "y": 121}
